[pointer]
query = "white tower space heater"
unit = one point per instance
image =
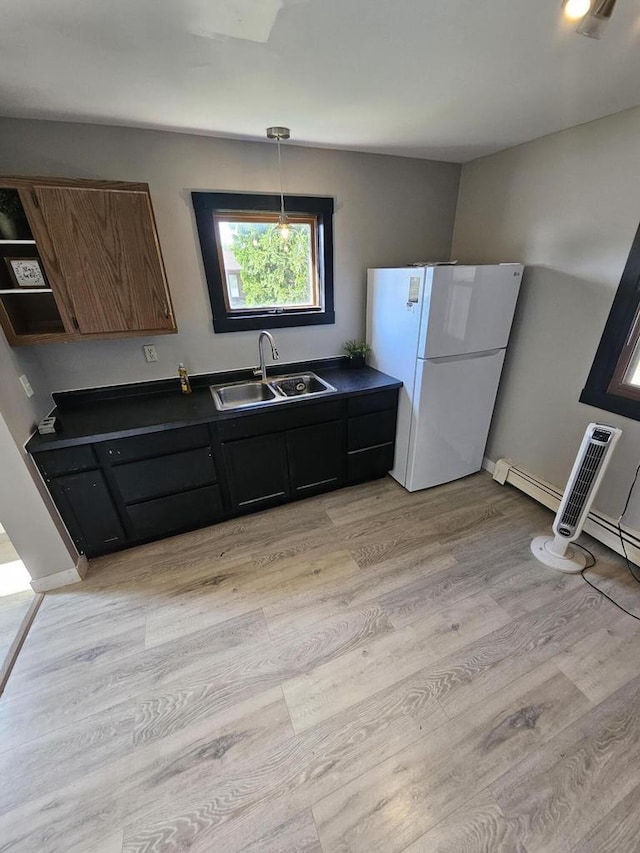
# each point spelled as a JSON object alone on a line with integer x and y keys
{"x": 588, "y": 470}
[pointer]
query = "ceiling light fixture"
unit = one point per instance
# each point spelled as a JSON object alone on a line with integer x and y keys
{"x": 596, "y": 19}
{"x": 280, "y": 133}
{"x": 575, "y": 9}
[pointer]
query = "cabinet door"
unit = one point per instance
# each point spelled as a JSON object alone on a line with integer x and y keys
{"x": 257, "y": 471}
{"x": 316, "y": 457}
{"x": 106, "y": 248}
{"x": 86, "y": 506}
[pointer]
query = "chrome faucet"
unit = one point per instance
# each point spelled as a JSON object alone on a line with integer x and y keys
{"x": 262, "y": 369}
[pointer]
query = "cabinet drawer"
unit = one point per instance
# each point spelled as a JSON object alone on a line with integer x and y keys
{"x": 373, "y": 429}
{"x": 279, "y": 419}
{"x": 186, "y": 511}
{"x": 368, "y": 464}
{"x": 153, "y": 444}
{"x": 163, "y": 475}
{"x": 67, "y": 460}
{"x": 376, "y": 402}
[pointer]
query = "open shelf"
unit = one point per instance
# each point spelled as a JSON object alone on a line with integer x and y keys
{"x": 36, "y": 316}
{"x": 14, "y": 291}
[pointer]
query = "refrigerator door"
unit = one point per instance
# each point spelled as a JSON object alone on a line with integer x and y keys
{"x": 471, "y": 309}
{"x": 394, "y": 310}
{"x": 454, "y": 403}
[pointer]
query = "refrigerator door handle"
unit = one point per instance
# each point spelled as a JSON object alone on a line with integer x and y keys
{"x": 464, "y": 356}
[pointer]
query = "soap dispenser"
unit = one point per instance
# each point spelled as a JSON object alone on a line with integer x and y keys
{"x": 185, "y": 384}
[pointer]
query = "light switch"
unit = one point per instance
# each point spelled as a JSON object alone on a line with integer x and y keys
{"x": 28, "y": 390}
{"x": 150, "y": 352}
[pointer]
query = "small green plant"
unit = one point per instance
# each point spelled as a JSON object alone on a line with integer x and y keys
{"x": 357, "y": 349}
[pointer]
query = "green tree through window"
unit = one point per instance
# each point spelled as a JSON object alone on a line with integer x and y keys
{"x": 274, "y": 271}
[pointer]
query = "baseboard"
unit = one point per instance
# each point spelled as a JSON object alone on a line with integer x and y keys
{"x": 488, "y": 465}
{"x": 602, "y": 527}
{"x": 64, "y": 578}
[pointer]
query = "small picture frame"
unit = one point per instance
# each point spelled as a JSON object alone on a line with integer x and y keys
{"x": 26, "y": 272}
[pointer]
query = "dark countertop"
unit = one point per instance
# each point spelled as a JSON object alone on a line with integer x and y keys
{"x": 102, "y": 414}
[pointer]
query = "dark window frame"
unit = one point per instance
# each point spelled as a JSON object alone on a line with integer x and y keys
{"x": 206, "y": 204}
{"x": 619, "y": 338}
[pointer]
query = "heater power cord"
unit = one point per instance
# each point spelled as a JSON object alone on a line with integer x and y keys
{"x": 630, "y": 568}
{"x": 631, "y": 571}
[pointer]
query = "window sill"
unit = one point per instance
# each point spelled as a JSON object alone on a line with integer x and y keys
{"x": 249, "y": 323}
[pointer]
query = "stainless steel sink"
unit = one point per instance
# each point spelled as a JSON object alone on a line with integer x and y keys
{"x": 281, "y": 389}
{"x": 301, "y": 385}
{"x": 242, "y": 394}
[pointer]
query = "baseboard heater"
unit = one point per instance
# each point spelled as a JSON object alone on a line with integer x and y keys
{"x": 601, "y": 527}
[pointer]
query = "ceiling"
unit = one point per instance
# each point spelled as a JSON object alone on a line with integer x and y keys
{"x": 444, "y": 79}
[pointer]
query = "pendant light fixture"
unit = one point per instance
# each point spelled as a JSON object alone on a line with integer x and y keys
{"x": 596, "y": 19}
{"x": 593, "y": 15}
{"x": 280, "y": 133}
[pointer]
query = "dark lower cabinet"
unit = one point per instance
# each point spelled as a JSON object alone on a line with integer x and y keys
{"x": 372, "y": 430}
{"x": 371, "y": 436}
{"x": 67, "y": 460}
{"x": 163, "y": 516}
{"x": 370, "y": 463}
{"x": 256, "y": 471}
{"x": 316, "y": 458}
{"x": 176, "y": 472}
{"x": 116, "y": 493}
{"x": 153, "y": 444}
{"x": 89, "y": 512}
{"x": 269, "y": 469}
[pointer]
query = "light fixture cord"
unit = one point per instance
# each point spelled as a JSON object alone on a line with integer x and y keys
{"x": 282, "y": 216}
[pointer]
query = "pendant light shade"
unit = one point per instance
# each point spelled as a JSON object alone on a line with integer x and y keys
{"x": 280, "y": 133}
{"x": 594, "y": 22}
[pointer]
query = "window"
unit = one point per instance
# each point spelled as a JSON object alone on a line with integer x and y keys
{"x": 259, "y": 276}
{"x": 614, "y": 381}
{"x": 261, "y": 268}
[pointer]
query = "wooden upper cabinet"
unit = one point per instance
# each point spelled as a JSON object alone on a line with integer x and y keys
{"x": 98, "y": 246}
{"x": 106, "y": 245}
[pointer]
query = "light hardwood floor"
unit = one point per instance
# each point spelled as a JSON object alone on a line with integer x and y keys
{"x": 370, "y": 670}
{"x": 13, "y": 605}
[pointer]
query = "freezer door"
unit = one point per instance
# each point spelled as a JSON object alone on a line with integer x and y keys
{"x": 394, "y": 309}
{"x": 471, "y": 309}
{"x": 454, "y": 403}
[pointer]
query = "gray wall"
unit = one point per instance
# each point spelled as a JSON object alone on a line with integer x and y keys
{"x": 567, "y": 206}
{"x": 389, "y": 211}
{"x": 26, "y": 511}
{"x": 26, "y": 517}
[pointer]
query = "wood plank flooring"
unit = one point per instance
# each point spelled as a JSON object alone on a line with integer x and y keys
{"x": 15, "y": 603}
{"x": 369, "y": 670}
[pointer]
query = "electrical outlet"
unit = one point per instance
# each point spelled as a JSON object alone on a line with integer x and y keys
{"x": 150, "y": 352}
{"x": 28, "y": 390}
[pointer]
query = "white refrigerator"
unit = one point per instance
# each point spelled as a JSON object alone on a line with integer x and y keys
{"x": 443, "y": 331}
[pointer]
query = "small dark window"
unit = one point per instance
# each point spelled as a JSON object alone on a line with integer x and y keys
{"x": 259, "y": 274}
{"x": 614, "y": 380}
